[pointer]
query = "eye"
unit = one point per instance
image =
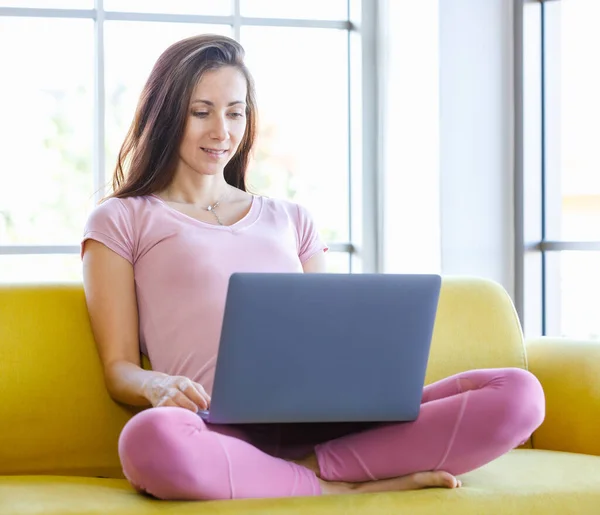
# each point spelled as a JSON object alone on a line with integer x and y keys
{"x": 200, "y": 114}
{"x": 237, "y": 115}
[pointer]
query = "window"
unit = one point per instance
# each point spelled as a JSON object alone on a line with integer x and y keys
{"x": 560, "y": 174}
{"x": 78, "y": 66}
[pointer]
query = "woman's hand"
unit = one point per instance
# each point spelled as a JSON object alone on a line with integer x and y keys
{"x": 176, "y": 391}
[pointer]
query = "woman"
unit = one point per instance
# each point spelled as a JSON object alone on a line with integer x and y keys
{"x": 157, "y": 255}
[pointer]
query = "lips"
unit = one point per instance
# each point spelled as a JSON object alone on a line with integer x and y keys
{"x": 214, "y": 151}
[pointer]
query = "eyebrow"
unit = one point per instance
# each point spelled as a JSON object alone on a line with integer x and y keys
{"x": 208, "y": 102}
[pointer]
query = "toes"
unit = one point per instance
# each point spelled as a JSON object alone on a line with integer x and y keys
{"x": 446, "y": 480}
{"x": 439, "y": 479}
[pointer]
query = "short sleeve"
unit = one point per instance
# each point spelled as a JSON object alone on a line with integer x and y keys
{"x": 309, "y": 238}
{"x": 111, "y": 223}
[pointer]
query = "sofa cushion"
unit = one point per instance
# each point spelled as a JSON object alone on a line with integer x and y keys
{"x": 531, "y": 482}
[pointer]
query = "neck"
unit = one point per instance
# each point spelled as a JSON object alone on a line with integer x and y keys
{"x": 206, "y": 192}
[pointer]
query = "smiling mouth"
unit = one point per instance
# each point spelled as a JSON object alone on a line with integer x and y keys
{"x": 214, "y": 152}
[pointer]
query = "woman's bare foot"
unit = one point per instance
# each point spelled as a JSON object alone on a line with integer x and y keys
{"x": 417, "y": 481}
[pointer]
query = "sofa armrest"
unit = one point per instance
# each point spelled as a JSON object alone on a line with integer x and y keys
{"x": 569, "y": 371}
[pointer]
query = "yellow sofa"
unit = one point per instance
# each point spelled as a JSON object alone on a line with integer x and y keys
{"x": 59, "y": 428}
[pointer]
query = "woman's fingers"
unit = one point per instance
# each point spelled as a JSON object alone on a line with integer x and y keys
{"x": 181, "y": 391}
{"x": 174, "y": 397}
{"x": 203, "y": 393}
{"x": 192, "y": 392}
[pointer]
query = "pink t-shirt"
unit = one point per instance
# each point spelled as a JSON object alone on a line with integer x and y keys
{"x": 182, "y": 268}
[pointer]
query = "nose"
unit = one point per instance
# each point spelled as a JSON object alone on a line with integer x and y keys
{"x": 219, "y": 131}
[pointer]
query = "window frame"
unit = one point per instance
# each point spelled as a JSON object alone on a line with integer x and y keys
{"x": 537, "y": 279}
{"x": 364, "y": 248}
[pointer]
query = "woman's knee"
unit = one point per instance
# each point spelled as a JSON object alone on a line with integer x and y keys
{"x": 159, "y": 450}
{"x": 524, "y": 404}
{"x": 155, "y": 428}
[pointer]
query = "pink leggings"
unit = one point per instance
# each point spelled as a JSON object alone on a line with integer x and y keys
{"x": 466, "y": 421}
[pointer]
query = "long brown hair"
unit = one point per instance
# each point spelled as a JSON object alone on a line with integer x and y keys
{"x": 149, "y": 154}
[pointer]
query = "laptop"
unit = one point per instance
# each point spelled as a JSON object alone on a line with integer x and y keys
{"x": 327, "y": 347}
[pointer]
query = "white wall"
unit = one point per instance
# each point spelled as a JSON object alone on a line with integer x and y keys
{"x": 476, "y": 120}
{"x": 448, "y": 158}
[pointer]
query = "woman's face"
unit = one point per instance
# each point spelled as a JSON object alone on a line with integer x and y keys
{"x": 216, "y": 121}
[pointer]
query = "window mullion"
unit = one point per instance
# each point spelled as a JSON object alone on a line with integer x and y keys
{"x": 98, "y": 165}
{"x": 237, "y": 20}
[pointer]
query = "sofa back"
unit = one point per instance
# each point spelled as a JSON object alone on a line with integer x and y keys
{"x": 476, "y": 327}
{"x": 55, "y": 414}
{"x": 57, "y": 418}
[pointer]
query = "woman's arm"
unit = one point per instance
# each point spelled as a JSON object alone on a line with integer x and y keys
{"x": 112, "y": 306}
{"x": 316, "y": 264}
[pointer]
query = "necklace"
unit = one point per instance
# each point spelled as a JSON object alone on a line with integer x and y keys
{"x": 211, "y": 209}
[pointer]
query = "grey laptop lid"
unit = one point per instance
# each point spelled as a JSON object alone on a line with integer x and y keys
{"x": 323, "y": 347}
